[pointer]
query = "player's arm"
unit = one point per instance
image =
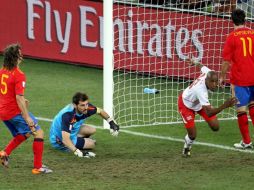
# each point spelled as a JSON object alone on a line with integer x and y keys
{"x": 21, "y": 101}
{"x": 211, "y": 111}
{"x": 114, "y": 127}
{"x": 22, "y": 104}
{"x": 227, "y": 54}
{"x": 102, "y": 113}
{"x": 191, "y": 62}
{"x": 203, "y": 68}
{"x": 66, "y": 128}
{"x": 67, "y": 141}
{"x": 223, "y": 72}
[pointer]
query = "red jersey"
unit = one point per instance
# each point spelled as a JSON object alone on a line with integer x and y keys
{"x": 12, "y": 84}
{"x": 239, "y": 51}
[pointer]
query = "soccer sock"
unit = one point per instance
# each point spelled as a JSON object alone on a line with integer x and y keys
{"x": 38, "y": 146}
{"x": 251, "y": 112}
{"x": 14, "y": 143}
{"x": 188, "y": 141}
{"x": 244, "y": 126}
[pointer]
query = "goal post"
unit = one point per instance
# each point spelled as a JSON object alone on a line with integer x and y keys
{"x": 151, "y": 42}
{"x": 108, "y": 59}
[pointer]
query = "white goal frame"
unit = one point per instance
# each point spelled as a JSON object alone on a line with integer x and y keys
{"x": 108, "y": 59}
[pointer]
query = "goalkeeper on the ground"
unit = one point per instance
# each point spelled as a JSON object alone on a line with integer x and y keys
{"x": 68, "y": 131}
{"x": 194, "y": 99}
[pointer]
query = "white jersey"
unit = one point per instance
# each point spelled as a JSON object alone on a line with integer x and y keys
{"x": 196, "y": 95}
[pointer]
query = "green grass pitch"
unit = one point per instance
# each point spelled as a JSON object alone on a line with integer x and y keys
{"x": 128, "y": 162}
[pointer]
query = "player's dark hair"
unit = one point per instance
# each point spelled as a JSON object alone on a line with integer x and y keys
{"x": 79, "y": 96}
{"x": 11, "y": 56}
{"x": 238, "y": 17}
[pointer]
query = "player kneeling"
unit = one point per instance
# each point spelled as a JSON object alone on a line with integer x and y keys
{"x": 194, "y": 99}
{"x": 68, "y": 131}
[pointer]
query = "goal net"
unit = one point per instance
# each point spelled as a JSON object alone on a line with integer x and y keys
{"x": 151, "y": 41}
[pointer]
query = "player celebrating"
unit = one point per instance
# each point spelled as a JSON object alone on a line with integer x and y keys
{"x": 239, "y": 52}
{"x": 195, "y": 99}
{"x": 14, "y": 112}
{"x": 68, "y": 131}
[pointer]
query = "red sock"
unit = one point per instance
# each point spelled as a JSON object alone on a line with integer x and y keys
{"x": 244, "y": 126}
{"x": 14, "y": 143}
{"x": 38, "y": 151}
{"x": 251, "y": 112}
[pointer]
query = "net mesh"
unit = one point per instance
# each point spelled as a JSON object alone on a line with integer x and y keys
{"x": 151, "y": 41}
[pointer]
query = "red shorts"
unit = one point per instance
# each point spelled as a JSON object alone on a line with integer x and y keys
{"x": 188, "y": 115}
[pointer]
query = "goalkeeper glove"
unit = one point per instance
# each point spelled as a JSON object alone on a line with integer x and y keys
{"x": 78, "y": 153}
{"x": 84, "y": 154}
{"x": 114, "y": 128}
{"x": 88, "y": 154}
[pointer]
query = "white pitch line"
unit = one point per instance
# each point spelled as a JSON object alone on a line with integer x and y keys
{"x": 166, "y": 138}
{"x": 181, "y": 140}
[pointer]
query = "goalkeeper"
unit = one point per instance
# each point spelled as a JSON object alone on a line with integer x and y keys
{"x": 68, "y": 131}
{"x": 194, "y": 99}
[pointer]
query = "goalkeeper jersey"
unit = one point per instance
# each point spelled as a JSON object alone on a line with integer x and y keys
{"x": 196, "y": 95}
{"x": 68, "y": 120}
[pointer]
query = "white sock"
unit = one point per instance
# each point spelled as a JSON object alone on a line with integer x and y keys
{"x": 188, "y": 141}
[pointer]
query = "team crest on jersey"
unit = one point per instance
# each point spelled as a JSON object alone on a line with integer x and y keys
{"x": 189, "y": 118}
{"x": 70, "y": 127}
{"x": 73, "y": 120}
{"x": 72, "y": 123}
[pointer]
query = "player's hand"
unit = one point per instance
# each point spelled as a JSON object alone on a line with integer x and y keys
{"x": 78, "y": 153}
{"x": 31, "y": 124}
{"x": 114, "y": 128}
{"x": 33, "y": 129}
{"x": 29, "y": 121}
{"x": 190, "y": 62}
{"x": 230, "y": 102}
{"x": 221, "y": 82}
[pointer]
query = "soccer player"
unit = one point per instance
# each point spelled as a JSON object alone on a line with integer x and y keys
{"x": 14, "y": 112}
{"x": 68, "y": 131}
{"x": 194, "y": 99}
{"x": 238, "y": 53}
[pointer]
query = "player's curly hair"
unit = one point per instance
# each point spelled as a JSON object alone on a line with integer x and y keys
{"x": 11, "y": 56}
{"x": 79, "y": 96}
{"x": 238, "y": 17}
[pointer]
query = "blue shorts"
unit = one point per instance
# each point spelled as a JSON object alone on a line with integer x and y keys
{"x": 17, "y": 125}
{"x": 244, "y": 94}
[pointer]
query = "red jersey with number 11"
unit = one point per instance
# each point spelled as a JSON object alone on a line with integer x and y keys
{"x": 239, "y": 51}
{"x": 12, "y": 84}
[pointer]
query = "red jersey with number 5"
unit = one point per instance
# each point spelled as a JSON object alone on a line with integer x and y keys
{"x": 239, "y": 51}
{"x": 12, "y": 84}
